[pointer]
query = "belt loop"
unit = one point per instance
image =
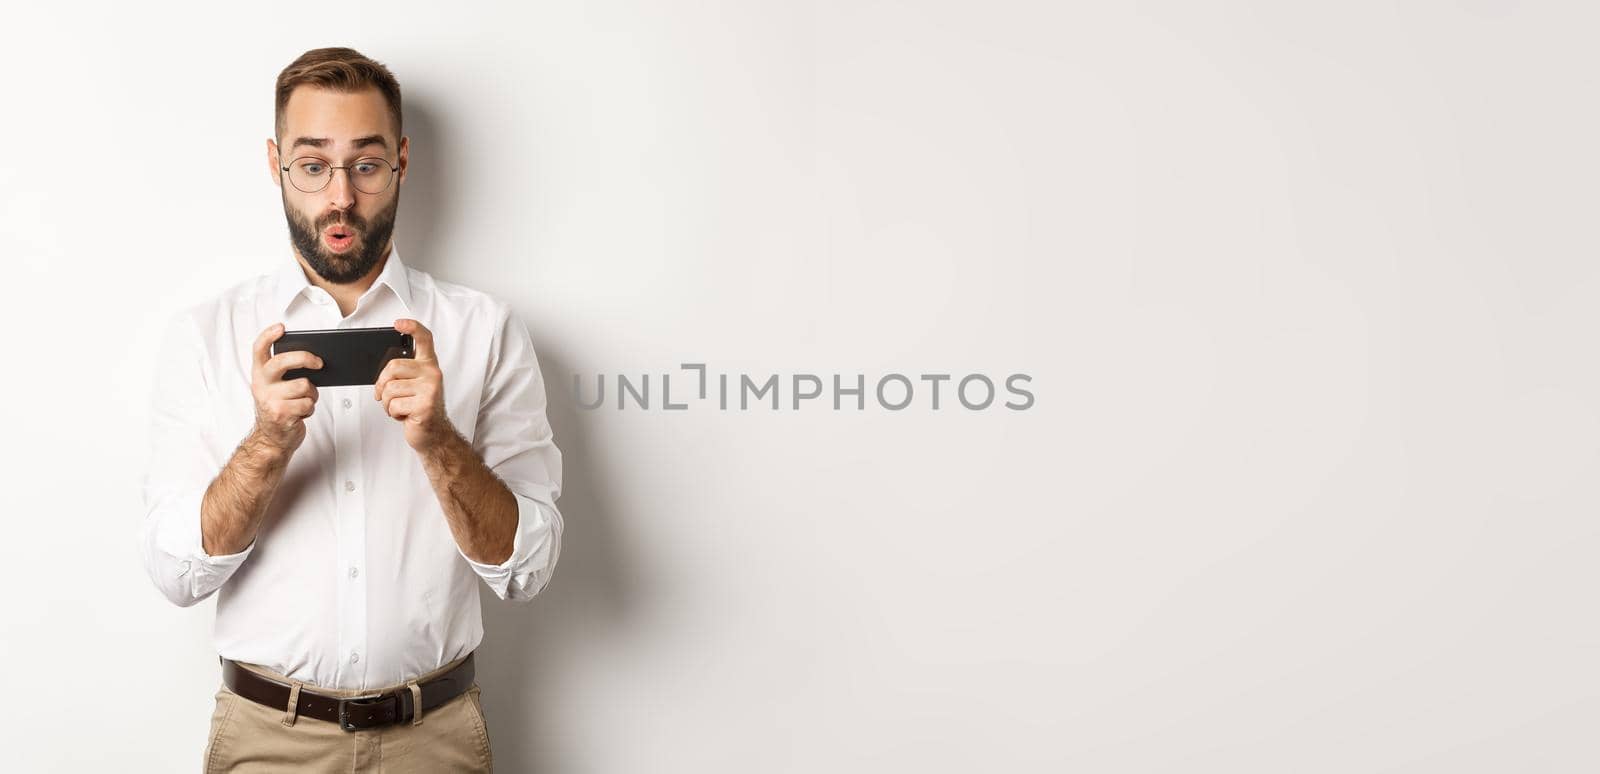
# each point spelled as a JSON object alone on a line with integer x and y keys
{"x": 293, "y": 710}
{"x": 416, "y": 703}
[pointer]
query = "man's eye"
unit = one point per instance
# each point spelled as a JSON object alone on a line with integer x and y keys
{"x": 312, "y": 168}
{"x": 366, "y": 169}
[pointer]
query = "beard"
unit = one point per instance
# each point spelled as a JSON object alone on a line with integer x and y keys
{"x": 353, "y": 264}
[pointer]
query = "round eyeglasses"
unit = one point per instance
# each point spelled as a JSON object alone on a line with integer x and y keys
{"x": 370, "y": 175}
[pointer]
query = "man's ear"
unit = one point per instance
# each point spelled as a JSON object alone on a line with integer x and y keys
{"x": 405, "y": 157}
{"x": 274, "y": 168}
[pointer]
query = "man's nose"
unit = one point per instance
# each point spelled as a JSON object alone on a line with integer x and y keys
{"x": 341, "y": 194}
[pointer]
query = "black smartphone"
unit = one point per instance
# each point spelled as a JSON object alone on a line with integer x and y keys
{"x": 349, "y": 355}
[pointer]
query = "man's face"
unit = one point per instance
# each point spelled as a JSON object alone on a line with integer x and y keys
{"x": 341, "y": 231}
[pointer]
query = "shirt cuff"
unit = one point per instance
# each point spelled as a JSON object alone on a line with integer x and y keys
{"x": 179, "y": 536}
{"x": 533, "y": 551}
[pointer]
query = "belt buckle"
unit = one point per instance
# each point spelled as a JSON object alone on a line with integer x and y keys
{"x": 361, "y": 701}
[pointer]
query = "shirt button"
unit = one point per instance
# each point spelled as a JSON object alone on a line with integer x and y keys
{"x": 354, "y": 657}
{"x": 354, "y": 572}
{"x": 349, "y": 486}
{"x": 345, "y": 403}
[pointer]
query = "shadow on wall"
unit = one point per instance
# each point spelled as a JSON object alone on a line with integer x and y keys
{"x": 529, "y": 647}
{"x": 428, "y": 195}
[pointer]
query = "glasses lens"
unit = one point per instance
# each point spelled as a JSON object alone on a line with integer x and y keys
{"x": 370, "y": 175}
{"x": 309, "y": 174}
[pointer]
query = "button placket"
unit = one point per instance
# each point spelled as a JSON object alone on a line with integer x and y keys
{"x": 352, "y": 540}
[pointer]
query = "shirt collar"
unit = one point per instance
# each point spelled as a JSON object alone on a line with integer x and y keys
{"x": 291, "y": 281}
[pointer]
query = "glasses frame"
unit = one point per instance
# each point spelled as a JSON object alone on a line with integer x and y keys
{"x": 393, "y": 170}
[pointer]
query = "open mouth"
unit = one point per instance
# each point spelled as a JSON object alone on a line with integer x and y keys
{"x": 339, "y": 237}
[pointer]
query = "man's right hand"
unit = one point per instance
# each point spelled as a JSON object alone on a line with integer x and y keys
{"x": 281, "y": 406}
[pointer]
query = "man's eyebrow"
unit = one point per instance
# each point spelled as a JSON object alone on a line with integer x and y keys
{"x": 322, "y": 142}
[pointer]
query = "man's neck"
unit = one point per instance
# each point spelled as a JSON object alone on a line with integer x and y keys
{"x": 346, "y": 294}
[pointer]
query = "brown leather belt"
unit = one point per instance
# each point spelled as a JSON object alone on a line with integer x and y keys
{"x": 356, "y": 712}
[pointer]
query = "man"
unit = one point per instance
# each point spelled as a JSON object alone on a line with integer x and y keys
{"x": 345, "y": 529}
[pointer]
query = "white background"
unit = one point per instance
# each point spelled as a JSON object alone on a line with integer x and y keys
{"x": 1306, "y": 291}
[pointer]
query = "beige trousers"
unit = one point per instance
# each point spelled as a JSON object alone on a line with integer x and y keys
{"x": 247, "y": 737}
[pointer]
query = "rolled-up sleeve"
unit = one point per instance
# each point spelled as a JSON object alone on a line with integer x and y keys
{"x": 183, "y": 461}
{"x": 514, "y": 438}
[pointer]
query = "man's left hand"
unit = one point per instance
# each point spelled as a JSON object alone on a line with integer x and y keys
{"x": 412, "y": 389}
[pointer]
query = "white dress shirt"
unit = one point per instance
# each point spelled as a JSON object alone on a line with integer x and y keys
{"x": 354, "y": 579}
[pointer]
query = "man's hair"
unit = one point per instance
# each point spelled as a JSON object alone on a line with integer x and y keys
{"x": 340, "y": 69}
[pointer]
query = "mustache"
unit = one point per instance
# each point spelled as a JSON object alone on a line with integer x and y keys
{"x": 348, "y": 219}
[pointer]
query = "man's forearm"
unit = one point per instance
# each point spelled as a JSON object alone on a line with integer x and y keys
{"x": 236, "y": 501}
{"x": 481, "y": 511}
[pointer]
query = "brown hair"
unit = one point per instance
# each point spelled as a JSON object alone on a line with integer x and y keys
{"x": 340, "y": 69}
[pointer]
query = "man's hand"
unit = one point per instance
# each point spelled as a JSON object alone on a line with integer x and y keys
{"x": 281, "y": 406}
{"x": 236, "y": 501}
{"x": 412, "y": 390}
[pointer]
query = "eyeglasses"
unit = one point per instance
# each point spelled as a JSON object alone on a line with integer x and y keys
{"x": 369, "y": 175}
